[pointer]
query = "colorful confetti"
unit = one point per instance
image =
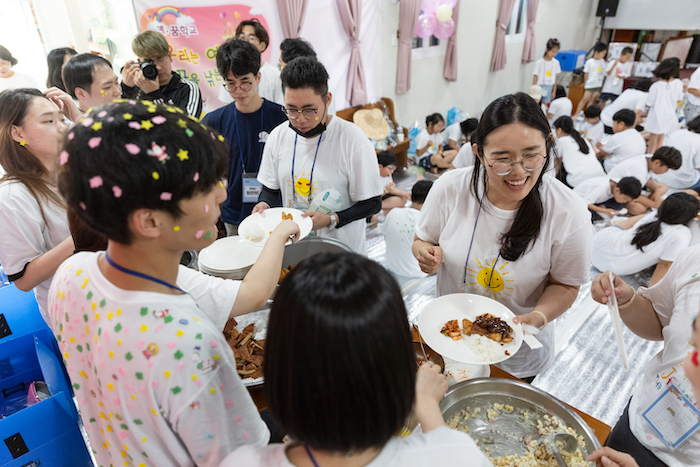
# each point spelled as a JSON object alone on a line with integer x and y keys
{"x": 159, "y": 119}
{"x": 199, "y": 234}
{"x": 127, "y": 116}
{"x": 196, "y": 177}
{"x": 63, "y": 157}
{"x": 158, "y": 152}
{"x": 82, "y": 206}
{"x": 117, "y": 191}
{"x": 132, "y": 148}
{"x": 182, "y": 154}
{"x": 135, "y": 125}
{"x": 102, "y": 114}
{"x": 97, "y": 126}
{"x": 176, "y": 228}
{"x": 96, "y": 181}
{"x": 146, "y": 125}
{"x": 189, "y": 132}
{"x": 94, "y": 142}
{"x": 165, "y": 196}
{"x": 155, "y": 175}
{"x": 87, "y": 122}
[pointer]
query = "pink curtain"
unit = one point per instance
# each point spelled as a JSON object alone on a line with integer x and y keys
{"x": 351, "y": 16}
{"x": 529, "y": 47}
{"x": 292, "y": 13}
{"x": 449, "y": 72}
{"x": 409, "y": 10}
{"x": 498, "y": 60}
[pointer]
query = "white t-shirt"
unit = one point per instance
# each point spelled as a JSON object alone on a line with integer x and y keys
{"x": 559, "y": 107}
{"x": 593, "y": 132}
{"x": 616, "y": 78}
{"x": 562, "y": 251}
{"x": 578, "y": 166}
{"x": 636, "y": 167}
{"x": 465, "y": 156}
{"x": 675, "y": 299}
{"x": 621, "y": 145}
{"x": 694, "y": 84}
{"x": 386, "y": 181}
{"x": 596, "y": 74}
{"x": 441, "y": 446}
{"x": 399, "y": 229}
{"x": 346, "y": 162}
{"x": 632, "y": 99}
{"x": 19, "y": 80}
{"x": 423, "y": 138}
{"x": 546, "y": 71}
{"x": 24, "y": 235}
{"x": 453, "y": 132}
{"x": 270, "y": 86}
{"x": 613, "y": 249}
{"x": 663, "y": 102}
{"x": 594, "y": 190}
{"x": 688, "y": 143}
{"x": 153, "y": 373}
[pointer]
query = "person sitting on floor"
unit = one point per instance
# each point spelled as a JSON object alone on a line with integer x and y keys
{"x": 593, "y": 128}
{"x": 601, "y": 192}
{"x": 626, "y": 142}
{"x": 457, "y": 134}
{"x": 560, "y": 106}
{"x": 392, "y": 197}
{"x": 429, "y": 146}
{"x": 640, "y": 242}
{"x": 687, "y": 177}
{"x": 577, "y": 158}
{"x": 399, "y": 230}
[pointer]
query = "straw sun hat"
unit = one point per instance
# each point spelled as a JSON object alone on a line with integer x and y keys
{"x": 372, "y": 123}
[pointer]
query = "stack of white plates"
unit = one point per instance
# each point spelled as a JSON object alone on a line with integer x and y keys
{"x": 229, "y": 257}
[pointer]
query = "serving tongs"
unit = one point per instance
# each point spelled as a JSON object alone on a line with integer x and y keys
{"x": 420, "y": 341}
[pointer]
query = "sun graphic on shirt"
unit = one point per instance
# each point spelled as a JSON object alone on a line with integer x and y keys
{"x": 302, "y": 185}
{"x": 490, "y": 279}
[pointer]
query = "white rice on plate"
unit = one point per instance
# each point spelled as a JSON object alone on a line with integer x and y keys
{"x": 253, "y": 232}
{"x": 484, "y": 349}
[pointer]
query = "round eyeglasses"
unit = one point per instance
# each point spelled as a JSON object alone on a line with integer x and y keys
{"x": 293, "y": 114}
{"x": 529, "y": 163}
{"x": 245, "y": 86}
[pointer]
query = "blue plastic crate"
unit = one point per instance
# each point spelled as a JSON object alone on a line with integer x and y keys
{"x": 20, "y": 316}
{"x": 571, "y": 59}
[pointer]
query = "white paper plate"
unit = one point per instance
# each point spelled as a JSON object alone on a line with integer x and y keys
{"x": 457, "y": 372}
{"x": 269, "y": 219}
{"x": 228, "y": 254}
{"x": 459, "y": 306}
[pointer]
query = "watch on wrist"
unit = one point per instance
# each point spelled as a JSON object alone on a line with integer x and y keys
{"x": 334, "y": 221}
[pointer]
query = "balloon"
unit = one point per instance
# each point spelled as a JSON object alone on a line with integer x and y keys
{"x": 444, "y": 29}
{"x": 426, "y": 25}
{"x": 443, "y": 13}
{"x": 222, "y": 14}
{"x": 429, "y": 6}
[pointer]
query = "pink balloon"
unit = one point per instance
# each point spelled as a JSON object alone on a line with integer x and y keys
{"x": 429, "y": 6}
{"x": 444, "y": 29}
{"x": 426, "y": 25}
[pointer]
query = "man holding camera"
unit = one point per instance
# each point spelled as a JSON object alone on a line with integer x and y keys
{"x": 152, "y": 78}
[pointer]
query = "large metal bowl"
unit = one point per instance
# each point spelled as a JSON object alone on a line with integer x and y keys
{"x": 508, "y": 429}
{"x": 310, "y": 246}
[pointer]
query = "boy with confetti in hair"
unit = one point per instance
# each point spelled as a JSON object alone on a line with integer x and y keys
{"x": 141, "y": 335}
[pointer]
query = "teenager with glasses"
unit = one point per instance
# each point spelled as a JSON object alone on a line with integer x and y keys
{"x": 504, "y": 230}
{"x": 246, "y": 124}
{"x": 317, "y": 156}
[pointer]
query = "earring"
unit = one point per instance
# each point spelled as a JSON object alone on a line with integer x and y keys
{"x": 22, "y": 143}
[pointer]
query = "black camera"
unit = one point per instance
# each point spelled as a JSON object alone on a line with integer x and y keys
{"x": 148, "y": 67}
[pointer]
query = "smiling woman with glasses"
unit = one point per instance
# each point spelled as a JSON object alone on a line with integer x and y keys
{"x": 507, "y": 229}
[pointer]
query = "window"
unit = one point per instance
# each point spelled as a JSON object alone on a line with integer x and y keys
{"x": 427, "y": 47}
{"x": 515, "y": 32}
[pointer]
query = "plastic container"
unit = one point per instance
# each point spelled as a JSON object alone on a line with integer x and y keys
{"x": 571, "y": 59}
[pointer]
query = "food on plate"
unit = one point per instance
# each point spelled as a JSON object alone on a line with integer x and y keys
{"x": 533, "y": 454}
{"x": 451, "y": 329}
{"x": 247, "y": 350}
{"x": 490, "y": 326}
{"x": 286, "y": 216}
{"x": 253, "y": 232}
{"x": 284, "y": 272}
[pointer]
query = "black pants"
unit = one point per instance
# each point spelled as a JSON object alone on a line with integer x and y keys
{"x": 622, "y": 439}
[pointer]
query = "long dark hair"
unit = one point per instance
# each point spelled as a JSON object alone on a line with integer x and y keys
{"x": 515, "y": 108}
{"x": 566, "y": 125}
{"x": 679, "y": 208}
{"x": 19, "y": 163}
{"x": 55, "y": 62}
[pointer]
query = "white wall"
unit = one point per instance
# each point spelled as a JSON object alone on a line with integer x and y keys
{"x": 573, "y": 22}
{"x": 656, "y": 14}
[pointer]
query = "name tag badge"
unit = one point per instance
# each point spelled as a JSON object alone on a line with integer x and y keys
{"x": 251, "y": 187}
{"x": 673, "y": 417}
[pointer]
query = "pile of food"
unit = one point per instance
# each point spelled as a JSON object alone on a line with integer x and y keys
{"x": 486, "y": 325}
{"x": 285, "y": 271}
{"x": 254, "y": 233}
{"x": 533, "y": 454}
{"x": 248, "y": 351}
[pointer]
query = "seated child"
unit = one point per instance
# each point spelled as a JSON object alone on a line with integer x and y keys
{"x": 141, "y": 335}
{"x": 642, "y": 241}
{"x": 392, "y": 197}
{"x": 458, "y": 133}
{"x": 599, "y": 192}
{"x": 560, "y": 106}
{"x": 465, "y": 156}
{"x": 625, "y": 142}
{"x": 593, "y": 129}
{"x": 399, "y": 230}
{"x": 644, "y": 168}
{"x": 429, "y": 146}
{"x": 687, "y": 177}
{"x": 576, "y": 161}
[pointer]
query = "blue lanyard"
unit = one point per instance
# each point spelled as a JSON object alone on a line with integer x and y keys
{"x": 238, "y": 135}
{"x": 310, "y": 456}
{"x": 311, "y": 177}
{"x": 471, "y": 242}
{"x": 141, "y": 275}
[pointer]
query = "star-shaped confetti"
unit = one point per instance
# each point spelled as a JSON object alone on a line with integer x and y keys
{"x": 182, "y": 123}
{"x": 182, "y": 155}
{"x": 97, "y": 126}
{"x": 146, "y": 124}
{"x": 127, "y": 116}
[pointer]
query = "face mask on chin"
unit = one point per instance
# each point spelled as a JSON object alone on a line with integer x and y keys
{"x": 315, "y": 131}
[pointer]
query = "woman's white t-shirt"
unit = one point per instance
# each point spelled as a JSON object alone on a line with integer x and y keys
{"x": 663, "y": 101}
{"x": 465, "y": 157}
{"x": 688, "y": 143}
{"x": 594, "y": 68}
{"x": 19, "y": 80}
{"x": 346, "y": 162}
{"x": 24, "y": 235}
{"x": 423, "y": 138}
{"x": 560, "y": 107}
{"x": 546, "y": 71}
{"x": 441, "y": 446}
{"x": 675, "y": 299}
{"x": 613, "y": 249}
{"x": 561, "y": 251}
{"x": 579, "y": 166}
